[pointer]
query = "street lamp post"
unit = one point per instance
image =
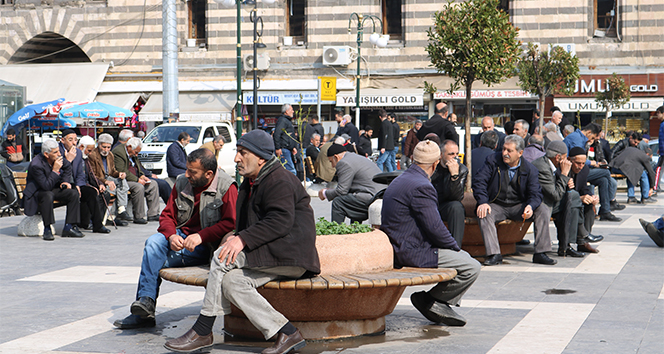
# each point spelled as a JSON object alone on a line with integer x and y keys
{"x": 375, "y": 39}
{"x": 238, "y": 31}
{"x": 257, "y": 44}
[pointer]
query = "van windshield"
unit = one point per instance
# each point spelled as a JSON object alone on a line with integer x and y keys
{"x": 169, "y": 134}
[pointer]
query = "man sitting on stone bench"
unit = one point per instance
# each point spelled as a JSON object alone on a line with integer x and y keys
{"x": 507, "y": 187}
{"x": 200, "y": 210}
{"x": 275, "y": 238}
{"x": 47, "y": 181}
{"x": 411, "y": 220}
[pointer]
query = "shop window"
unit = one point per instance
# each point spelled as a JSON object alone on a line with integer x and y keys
{"x": 6, "y": 2}
{"x": 196, "y": 22}
{"x": 295, "y": 20}
{"x": 605, "y": 17}
{"x": 391, "y": 10}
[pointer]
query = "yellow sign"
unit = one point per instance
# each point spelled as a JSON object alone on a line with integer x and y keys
{"x": 328, "y": 88}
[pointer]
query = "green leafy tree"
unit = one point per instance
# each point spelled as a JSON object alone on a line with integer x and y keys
{"x": 547, "y": 73}
{"x": 615, "y": 95}
{"x": 473, "y": 41}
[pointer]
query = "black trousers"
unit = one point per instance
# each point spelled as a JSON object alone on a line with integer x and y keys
{"x": 453, "y": 214}
{"x": 568, "y": 213}
{"x": 67, "y": 196}
{"x": 91, "y": 208}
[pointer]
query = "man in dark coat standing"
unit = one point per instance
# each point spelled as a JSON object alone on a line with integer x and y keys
{"x": 176, "y": 156}
{"x": 285, "y": 141}
{"x": 274, "y": 237}
{"x": 346, "y": 126}
{"x": 385, "y": 142}
{"x": 365, "y": 141}
{"x": 488, "y": 125}
{"x": 48, "y": 180}
{"x": 449, "y": 181}
{"x": 420, "y": 239}
{"x": 508, "y": 188}
{"x": 439, "y": 124}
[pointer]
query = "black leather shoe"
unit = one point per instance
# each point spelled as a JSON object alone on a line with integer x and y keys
{"x": 103, "y": 230}
{"x": 609, "y": 217}
{"x": 73, "y": 232}
{"x": 630, "y": 200}
{"x": 493, "y": 260}
{"x": 436, "y": 311}
{"x": 656, "y": 235}
{"x": 523, "y": 242}
{"x": 571, "y": 253}
{"x": 542, "y": 258}
{"x": 118, "y": 222}
{"x": 125, "y": 216}
{"x": 648, "y": 200}
{"x": 189, "y": 342}
{"x": 285, "y": 343}
{"x": 48, "y": 235}
{"x": 153, "y": 218}
{"x": 615, "y": 206}
{"x": 133, "y": 321}
{"x": 593, "y": 238}
{"x": 86, "y": 227}
{"x": 140, "y": 221}
{"x": 143, "y": 307}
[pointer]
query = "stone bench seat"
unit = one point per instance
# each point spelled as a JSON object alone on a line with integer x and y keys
{"x": 356, "y": 289}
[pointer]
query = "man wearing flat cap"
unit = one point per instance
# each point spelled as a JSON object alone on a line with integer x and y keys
{"x": 356, "y": 187}
{"x": 268, "y": 243}
{"x": 420, "y": 239}
{"x": 565, "y": 204}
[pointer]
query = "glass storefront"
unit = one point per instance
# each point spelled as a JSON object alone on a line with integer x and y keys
{"x": 11, "y": 100}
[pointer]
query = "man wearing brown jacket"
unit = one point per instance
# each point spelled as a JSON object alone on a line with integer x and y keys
{"x": 103, "y": 165}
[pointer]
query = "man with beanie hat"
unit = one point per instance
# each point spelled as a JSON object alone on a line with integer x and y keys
{"x": 507, "y": 187}
{"x": 564, "y": 202}
{"x": 420, "y": 239}
{"x": 269, "y": 242}
{"x": 355, "y": 188}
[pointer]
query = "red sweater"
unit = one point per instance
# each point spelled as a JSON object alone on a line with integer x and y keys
{"x": 216, "y": 232}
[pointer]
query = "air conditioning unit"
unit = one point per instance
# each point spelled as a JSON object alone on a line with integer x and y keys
{"x": 337, "y": 55}
{"x": 263, "y": 62}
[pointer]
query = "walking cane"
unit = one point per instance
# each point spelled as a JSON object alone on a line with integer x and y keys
{"x": 101, "y": 194}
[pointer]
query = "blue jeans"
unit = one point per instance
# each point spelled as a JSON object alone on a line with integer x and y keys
{"x": 607, "y": 187}
{"x": 157, "y": 254}
{"x": 659, "y": 224}
{"x": 393, "y": 159}
{"x": 645, "y": 186}
{"x": 383, "y": 161}
{"x": 287, "y": 160}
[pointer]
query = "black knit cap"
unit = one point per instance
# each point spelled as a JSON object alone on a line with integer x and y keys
{"x": 258, "y": 142}
{"x": 335, "y": 149}
{"x": 68, "y": 131}
{"x": 576, "y": 151}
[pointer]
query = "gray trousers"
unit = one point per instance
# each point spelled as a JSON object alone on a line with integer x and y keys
{"x": 454, "y": 214}
{"x": 236, "y": 284}
{"x": 468, "y": 269}
{"x": 568, "y": 214}
{"x": 587, "y": 221}
{"x": 500, "y": 213}
{"x": 120, "y": 192}
{"x": 350, "y": 206}
{"x": 141, "y": 194}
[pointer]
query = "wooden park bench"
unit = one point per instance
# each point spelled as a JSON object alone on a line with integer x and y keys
{"x": 356, "y": 289}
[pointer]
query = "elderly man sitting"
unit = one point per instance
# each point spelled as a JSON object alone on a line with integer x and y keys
{"x": 420, "y": 239}
{"x": 103, "y": 167}
{"x": 507, "y": 187}
{"x": 355, "y": 189}
{"x": 141, "y": 187}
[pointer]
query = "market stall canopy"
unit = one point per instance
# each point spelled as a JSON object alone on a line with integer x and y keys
{"x": 123, "y": 100}
{"x": 97, "y": 111}
{"x": 45, "y": 82}
{"x": 194, "y": 106}
{"x": 27, "y": 113}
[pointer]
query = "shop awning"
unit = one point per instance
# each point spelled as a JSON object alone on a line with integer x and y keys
{"x": 46, "y": 82}
{"x": 198, "y": 106}
{"x": 122, "y": 100}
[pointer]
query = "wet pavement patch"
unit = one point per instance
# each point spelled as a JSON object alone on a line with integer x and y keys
{"x": 558, "y": 291}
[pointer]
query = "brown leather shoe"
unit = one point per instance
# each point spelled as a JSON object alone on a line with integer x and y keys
{"x": 587, "y": 248}
{"x": 189, "y": 342}
{"x": 285, "y": 344}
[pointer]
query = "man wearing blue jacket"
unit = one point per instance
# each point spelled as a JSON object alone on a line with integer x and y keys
{"x": 507, "y": 187}
{"x": 176, "y": 156}
{"x": 419, "y": 238}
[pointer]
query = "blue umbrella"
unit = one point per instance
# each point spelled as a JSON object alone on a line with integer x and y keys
{"x": 51, "y": 123}
{"x": 97, "y": 111}
{"x": 23, "y": 115}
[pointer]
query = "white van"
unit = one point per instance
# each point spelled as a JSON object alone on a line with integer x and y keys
{"x": 157, "y": 141}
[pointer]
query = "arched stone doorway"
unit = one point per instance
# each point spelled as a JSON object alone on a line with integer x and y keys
{"x": 49, "y": 48}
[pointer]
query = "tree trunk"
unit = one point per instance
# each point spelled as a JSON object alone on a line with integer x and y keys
{"x": 606, "y": 124}
{"x": 467, "y": 144}
{"x": 541, "y": 115}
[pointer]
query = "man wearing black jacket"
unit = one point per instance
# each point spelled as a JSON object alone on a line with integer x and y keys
{"x": 365, "y": 141}
{"x": 449, "y": 179}
{"x": 385, "y": 142}
{"x": 285, "y": 143}
{"x": 439, "y": 124}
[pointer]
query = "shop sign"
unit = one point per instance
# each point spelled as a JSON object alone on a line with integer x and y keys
{"x": 281, "y": 97}
{"x": 483, "y": 94}
{"x": 382, "y": 98}
{"x": 638, "y": 84}
{"x": 328, "y": 88}
{"x": 636, "y": 104}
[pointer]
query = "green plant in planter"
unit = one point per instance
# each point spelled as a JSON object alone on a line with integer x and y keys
{"x": 324, "y": 227}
